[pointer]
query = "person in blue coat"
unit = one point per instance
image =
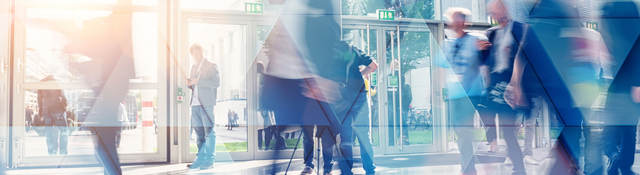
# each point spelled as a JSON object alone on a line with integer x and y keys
{"x": 621, "y": 31}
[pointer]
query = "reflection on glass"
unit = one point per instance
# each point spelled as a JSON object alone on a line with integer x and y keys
{"x": 408, "y": 88}
{"x": 416, "y": 73}
{"x": 227, "y": 49}
{"x": 137, "y": 112}
{"x": 45, "y": 48}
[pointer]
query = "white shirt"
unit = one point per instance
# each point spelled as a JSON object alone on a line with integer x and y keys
{"x": 196, "y": 100}
{"x": 503, "y": 48}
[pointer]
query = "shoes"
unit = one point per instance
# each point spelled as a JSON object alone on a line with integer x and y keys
{"x": 206, "y": 165}
{"x": 195, "y": 165}
{"x": 531, "y": 160}
{"x": 307, "y": 170}
{"x": 507, "y": 161}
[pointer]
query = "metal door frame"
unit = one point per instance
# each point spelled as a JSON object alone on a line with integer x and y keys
{"x": 378, "y": 28}
{"x": 19, "y": 86}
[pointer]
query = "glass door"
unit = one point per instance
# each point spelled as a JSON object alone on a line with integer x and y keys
{"x": 225, "y": 44}
{"x": 406, "y": 91}
{"x": 4, "y": 79}
{"x": 39, "y": 53}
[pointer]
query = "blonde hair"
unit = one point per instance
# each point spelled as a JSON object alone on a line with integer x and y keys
{"x": 465, "y": 13}
{"x": 196, "y": 46}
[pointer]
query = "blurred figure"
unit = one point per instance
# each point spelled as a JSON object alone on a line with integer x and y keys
{"x": 204, "y": 83}
{"x": 550, "y": 65}
{"x": 307, "y": 68}
{"x": 122, "y": 113}
{"x": 348, "y": 108}
{"x": 463, "y": 83}
{"x": 28, "y": 117}
{"x": 499, "y": 55}
{"x": 107, "y": 42}
{"x": 529, "y": 122}
{"x": 620, "y": 30}
{"x": 53, "y": 106}
{"x": 271, "y": 130}
{"x": 230, "y": 118}
{"x": 286, "y": 90}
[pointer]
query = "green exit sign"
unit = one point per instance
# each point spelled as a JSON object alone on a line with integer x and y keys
{"x": 253, "y": 8}
{"x": 386, "y": 15}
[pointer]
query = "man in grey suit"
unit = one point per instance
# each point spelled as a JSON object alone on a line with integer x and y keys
{"x": 204, "y": 83}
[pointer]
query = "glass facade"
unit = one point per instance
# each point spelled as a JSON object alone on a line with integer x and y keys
{"x": 408, "y": 109}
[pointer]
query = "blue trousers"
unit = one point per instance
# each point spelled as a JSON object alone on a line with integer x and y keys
{"x": 202, "y": 122}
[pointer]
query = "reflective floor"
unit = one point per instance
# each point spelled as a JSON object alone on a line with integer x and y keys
{"x": 396, "y": 165}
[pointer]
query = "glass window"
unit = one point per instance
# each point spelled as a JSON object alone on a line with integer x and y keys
{"x": 4, "y": 76}
{"x": 47, "y": 135}
{"x": 420, "y": 9}
{"x": 235, "y": 5}
{"x": 45, "y": 47}
{"x": 477, "y": 8}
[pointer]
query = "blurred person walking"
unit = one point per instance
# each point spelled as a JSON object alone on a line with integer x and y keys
{"x": 550, "y": 65}
{"x": 498, "y": 56}
{"x": 463, "y": 83}
{"x": 107, "y": 41}
{"x": 307, "y": 69}
{"x": 621, "y": 31}
{"x": 52, "y": 106}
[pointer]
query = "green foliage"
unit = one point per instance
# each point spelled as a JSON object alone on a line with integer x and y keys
{"x": 414, "y": 45}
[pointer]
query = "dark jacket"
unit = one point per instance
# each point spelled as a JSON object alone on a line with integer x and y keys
{"x": 621, "y": 31}
{"x": 208, "y": 83}
{"x": 51, "y": 102}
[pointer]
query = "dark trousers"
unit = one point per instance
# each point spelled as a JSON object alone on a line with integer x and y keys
{"x": 274, "y": 132}
{"x": 348, "y": 111}
{"x": 509, "y": 126}
{"x": 488, "y": 118}
{"x": 292, "y": 109}
{"x": 621, "y": 148}
{"x": 105, "y": 143}
{"x": 327, "y": 143}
